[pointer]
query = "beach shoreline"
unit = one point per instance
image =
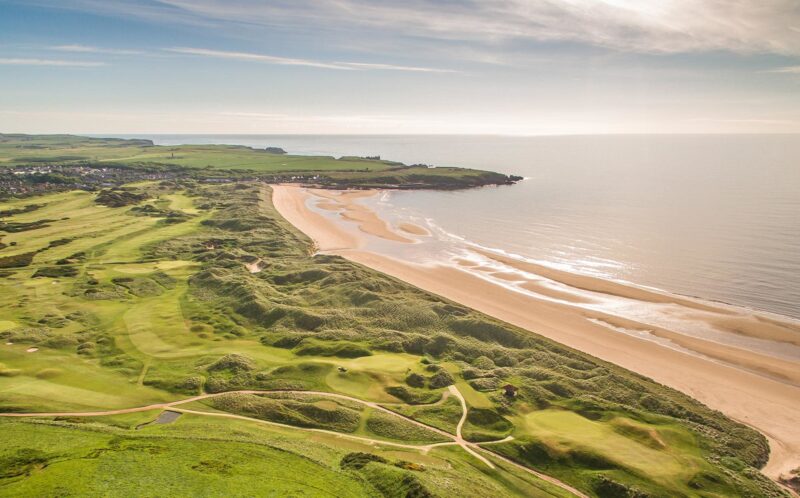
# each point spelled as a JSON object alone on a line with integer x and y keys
{"x": 753, "y": 388}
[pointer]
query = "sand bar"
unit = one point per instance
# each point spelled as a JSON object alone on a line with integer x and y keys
{"x": 345, "y": 203}
{"x": 746, "y": 392}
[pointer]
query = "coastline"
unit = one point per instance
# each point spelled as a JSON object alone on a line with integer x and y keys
{"x": 753, "y": 388}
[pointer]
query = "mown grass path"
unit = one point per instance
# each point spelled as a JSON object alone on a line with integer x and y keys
{"x": 456, "y": 439}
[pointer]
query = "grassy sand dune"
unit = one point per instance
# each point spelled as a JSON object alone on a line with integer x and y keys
{"x": 156, "y": 309}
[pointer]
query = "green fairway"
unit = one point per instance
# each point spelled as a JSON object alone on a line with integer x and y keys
{"x": 651, "y": 453}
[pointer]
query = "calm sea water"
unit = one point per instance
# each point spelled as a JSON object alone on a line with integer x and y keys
{"x": 711, "y": 216}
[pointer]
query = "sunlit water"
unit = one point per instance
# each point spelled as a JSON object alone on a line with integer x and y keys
{"x": 710, "y": 216}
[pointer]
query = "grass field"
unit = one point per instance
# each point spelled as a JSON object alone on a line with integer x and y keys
{"x": 106, "y": 308}
{"x": 223, "y": 161}
{"x": 66, "y": 149}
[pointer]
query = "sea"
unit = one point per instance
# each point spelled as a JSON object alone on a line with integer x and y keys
{"x": 711, "y": 216}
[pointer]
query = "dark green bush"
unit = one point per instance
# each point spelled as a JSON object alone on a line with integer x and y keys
{"x": 415, "y": 380}
{"x": 358, "y": 460}
{"x": 441, "y": 379}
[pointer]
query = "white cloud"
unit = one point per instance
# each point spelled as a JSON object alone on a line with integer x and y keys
{"x": 666, "y": 26}
{"x": 660, "y": 26}
{"x": 85, "y": 49}
{"x": 49, "y": 62}
{"x": 286, "y": 61}
{"x": 786, "y": 70}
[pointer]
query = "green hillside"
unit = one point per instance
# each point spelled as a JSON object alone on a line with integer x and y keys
{"x": 104, "y": 309}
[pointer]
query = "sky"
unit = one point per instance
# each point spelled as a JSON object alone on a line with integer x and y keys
{"x": 508, "y": 67}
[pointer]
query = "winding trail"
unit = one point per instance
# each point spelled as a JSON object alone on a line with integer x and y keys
{"x": 457, "y": 439}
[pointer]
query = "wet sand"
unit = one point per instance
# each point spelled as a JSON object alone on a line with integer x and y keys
{"x": 347, "y": 207}
{"x": 750, "y": 387}
{"x": 413, "y": 229}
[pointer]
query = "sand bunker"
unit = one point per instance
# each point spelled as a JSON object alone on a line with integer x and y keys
{"x": 255, "y": 267}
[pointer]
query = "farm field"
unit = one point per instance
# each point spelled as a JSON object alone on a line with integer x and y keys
{"x": 153, "y": 307}
{"x": 65, "y": 149}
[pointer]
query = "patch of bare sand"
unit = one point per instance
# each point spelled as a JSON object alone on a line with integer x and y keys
{"x": 292, "y": 207}
{"x": 255, "y": 266}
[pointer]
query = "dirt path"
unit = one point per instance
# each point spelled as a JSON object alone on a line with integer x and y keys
{"x": 459, "y": 439}
{"x": 456, "y": 439}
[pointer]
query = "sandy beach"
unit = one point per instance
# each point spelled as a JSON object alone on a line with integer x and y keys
{"x": 750, "y": 386}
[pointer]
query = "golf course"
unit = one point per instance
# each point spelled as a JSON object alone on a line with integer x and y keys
{"x": 178, "y": 337}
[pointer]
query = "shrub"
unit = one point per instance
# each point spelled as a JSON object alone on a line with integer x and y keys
{"x": 483, "y": 362}
{"x": 307, "y": 321}
{"x": 233, "y": 362}
{"x": 56, "y": 271}
{"x": 59, "y": 342}
{"x": 358, "y": 460}
{"x": 17, "y": 260}
{"x": 605, "y": 487}
{"x": 441, "y": 379}
{"x": 558, "y": 388}
{"x": 192, "y": 384}
{"x": 118, "y": 198}
{"x": 485, "y": 384}
{"x": 413, "y": 397}
{"x": 340, "y": 349}
{"x": 415, "y": 380}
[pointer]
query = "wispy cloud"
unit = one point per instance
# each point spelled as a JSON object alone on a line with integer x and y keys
{"x": 393, "y": 67}
{"x": 85, "y": 49}
{"x": 664, "y": 26}
{"x": 758, "y": 121}
{"x": 246, "y": 56}
{"x": 49, "y": 62}
{"x": 786, "y": 70}
{"x": 673, "y": 26}
{"x": 286, "y": 61}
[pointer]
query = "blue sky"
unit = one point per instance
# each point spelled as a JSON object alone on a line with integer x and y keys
{"x": 520, "y": 67}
